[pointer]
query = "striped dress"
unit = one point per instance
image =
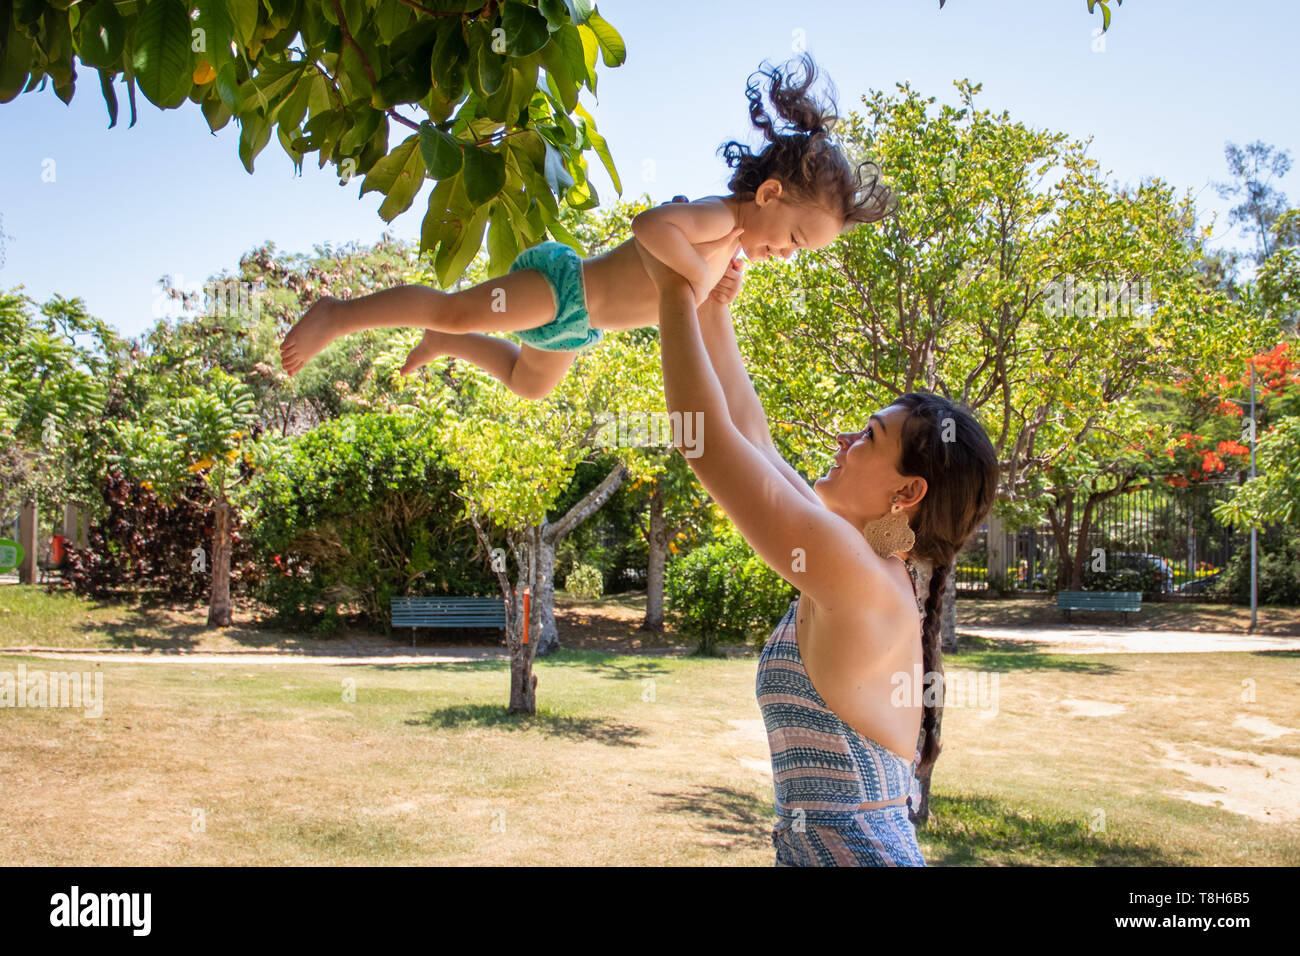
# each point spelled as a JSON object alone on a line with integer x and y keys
{"x": 823, "y": 771}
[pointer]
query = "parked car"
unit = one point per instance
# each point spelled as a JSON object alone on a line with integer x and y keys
{"x": 1200, "y": 585}
{"x": 1131, "y": 571}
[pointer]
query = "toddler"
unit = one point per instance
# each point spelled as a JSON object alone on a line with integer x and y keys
{"x": 799, "y": 192}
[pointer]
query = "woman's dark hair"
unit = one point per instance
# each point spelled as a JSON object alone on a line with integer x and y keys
{"x": 944, "y": 444}
{"x": 808, "y": 163}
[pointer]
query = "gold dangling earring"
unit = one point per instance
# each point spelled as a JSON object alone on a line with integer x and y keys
{"x": 890, "y": 533}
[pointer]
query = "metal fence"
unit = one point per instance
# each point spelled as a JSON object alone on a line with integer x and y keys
{"x": 1166, "y": 527}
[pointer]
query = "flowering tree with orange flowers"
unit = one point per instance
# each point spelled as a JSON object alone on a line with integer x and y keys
{"x": 1226, "y": 445}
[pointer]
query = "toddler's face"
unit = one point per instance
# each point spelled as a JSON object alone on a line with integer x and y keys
{"x": 776, "y": 226}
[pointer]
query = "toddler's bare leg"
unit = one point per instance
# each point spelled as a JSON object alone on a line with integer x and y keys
{"x": 520, "y": 300}
{"x": 526, "y": 371}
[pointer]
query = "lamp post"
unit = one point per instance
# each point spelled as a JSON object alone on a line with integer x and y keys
{"x": 1253, "y": 603}
{"x": 1254, "y": 563}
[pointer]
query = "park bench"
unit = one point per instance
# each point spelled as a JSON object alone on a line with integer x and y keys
{"x": 1122, "y": 601}
{"x": 416, "y": 612}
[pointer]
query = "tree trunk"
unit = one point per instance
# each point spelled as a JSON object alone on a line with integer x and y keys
{"x": 948, "y": 622}
{"x": 1081, "y": 551}
{"x": 1060, "y": 524}
{"x": 544, "y": 539}
{"x": 523, "y": 682}
{"x": 543, "y": 636}
{"x": 654, "y": 578}
{"x": 534, "y": 551}
{"x": 219, "y": 607}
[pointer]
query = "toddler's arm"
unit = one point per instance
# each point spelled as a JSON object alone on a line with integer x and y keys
{"x": 670, "y": 232}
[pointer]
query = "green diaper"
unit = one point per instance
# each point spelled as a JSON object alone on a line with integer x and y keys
{"x": 571, "y": 329}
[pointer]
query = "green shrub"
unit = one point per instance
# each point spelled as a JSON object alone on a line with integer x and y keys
{"x": 357, "y": 511}
{"x": 724, "y": 591}
{"x": 585, "y": 581}
{"x": 1278, "y": 574}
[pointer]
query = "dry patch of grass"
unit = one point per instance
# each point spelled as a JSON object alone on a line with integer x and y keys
{"x": 1121, "y": 760}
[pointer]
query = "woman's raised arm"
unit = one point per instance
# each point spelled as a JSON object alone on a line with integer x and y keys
{"x": 743, "y": 405}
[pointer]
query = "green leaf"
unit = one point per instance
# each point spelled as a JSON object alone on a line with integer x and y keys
{"x": 601, "y": 147}
{"x": 272, "y": 83}
{"x": 503, "y": 247}
{"x": 579, "y": 10}
{"x": 497, "y": 106}
{"x": 254, "y": 134}
{"x": 17, "y": 64}
{"x": 294, "y": 106}
{"x": 217, "y": 113}
{"x": 485, "y": 173}
{"x": 450, "y": 60}
{"x": 218, "y": 32}
{"x": 243, "y": 15}
{"x": 489, "y": 66}
{"x": 101, "y": 33}
{"x": 563, "y": 235}
{"x": 130, "y": 96}
{"x": 612, "y": 49}
{"x": 399, "y": 175}
{"x": 110, "y": 97}
{"x": 434, "y": 218}
{"x": 556, "y": 13}
{"x": 560, "y": 74}
{"x": 280, "y": 13}
{"x": 391, "y": 19}
{"x": 590, "y": 50}
{"x": 363, "y": 122}
{"x": 526, "y": 30}
{"x": 557, "y": 176}
{"x": 161, "y": 53}
{"x": 441, "y": 152}
{"x": 461, "y": 251}
{"x": 227, "y": 87}
{"x": 569, "y": 41}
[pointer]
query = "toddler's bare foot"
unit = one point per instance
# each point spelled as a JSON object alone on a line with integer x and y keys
{"x": 318, "y": 327}
{"x": 430, "y": 346}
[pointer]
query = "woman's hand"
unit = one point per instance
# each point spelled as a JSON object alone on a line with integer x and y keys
{"x": 660, "y": 274}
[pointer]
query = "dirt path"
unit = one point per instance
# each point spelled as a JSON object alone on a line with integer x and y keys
{"x": 1078, "y": 639}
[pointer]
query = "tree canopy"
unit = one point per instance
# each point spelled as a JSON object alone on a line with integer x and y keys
{"x": 329, "y": 77}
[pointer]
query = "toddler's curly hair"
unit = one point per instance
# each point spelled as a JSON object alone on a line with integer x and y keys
{"x": 807, "y": 161}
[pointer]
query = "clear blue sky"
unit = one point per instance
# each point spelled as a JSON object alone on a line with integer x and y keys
{"x": 1178, "y": 78}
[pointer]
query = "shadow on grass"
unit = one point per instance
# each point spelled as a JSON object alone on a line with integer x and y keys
{"x": 613, "y": 666}
{"x": 545, "y": 720}
{"x": 732, "y": 813}
{"x": 163, "y": 633}
{"x": 968, "y": 830}
{"x": 606, "y": 664}
{"x": 999, "y": 655}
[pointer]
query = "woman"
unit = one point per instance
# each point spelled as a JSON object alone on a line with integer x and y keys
{"x": 906, "y": 490}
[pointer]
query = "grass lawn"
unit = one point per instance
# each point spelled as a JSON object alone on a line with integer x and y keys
{"x": 1096, "y": 760}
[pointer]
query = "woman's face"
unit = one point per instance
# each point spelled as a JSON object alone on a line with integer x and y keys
{"x": 775, "y": 226}
{"x": 862, "y": 480}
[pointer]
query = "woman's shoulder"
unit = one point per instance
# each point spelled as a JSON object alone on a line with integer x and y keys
{"x": 868, "y": 632}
